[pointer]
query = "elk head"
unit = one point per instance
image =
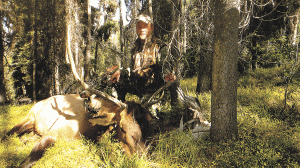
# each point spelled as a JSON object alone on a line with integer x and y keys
{"x": 132, "y": 122}
{"x": 106, "y": 105}
{"x": 103, "y": 108}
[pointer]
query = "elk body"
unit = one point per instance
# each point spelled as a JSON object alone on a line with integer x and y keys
{"x": 66, "y": 116}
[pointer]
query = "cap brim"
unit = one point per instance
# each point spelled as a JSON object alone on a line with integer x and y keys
{"x": 143, "y": 19}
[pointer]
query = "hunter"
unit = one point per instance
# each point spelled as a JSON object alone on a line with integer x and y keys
{"x": 145, "y": 70}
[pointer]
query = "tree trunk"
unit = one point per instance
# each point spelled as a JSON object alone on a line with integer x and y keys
{"x": 150, "y": 9}
{"x": 224, "y": 71}
{"x": 175, "y": 48}
{"x": 294, "y": 27}
{"x": 35, "y": 54}
{"x": 56, "y": 54}
{"x": 121, "y": 38}
{"x": 135, "y": 8}
{"x": 2, "y": 85}
{"x": 254, "y": 53}
{"x": 184, "y": 26}
{"x": 204, "y": 74}
{"x": 87, "y": 64}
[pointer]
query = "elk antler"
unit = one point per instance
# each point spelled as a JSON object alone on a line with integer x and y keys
{"x": 191, "y": 102}
{"x": 151, "y": 100}
{"x": 81, "y": 80}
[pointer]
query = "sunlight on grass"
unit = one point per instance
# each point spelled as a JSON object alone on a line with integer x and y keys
{"x": 11, "y": 115}
{"x": 190, "y": 84}
{"x": 268, "y": 134}
{"x": 70, "y": 153}
{"x": 178, "y": 148}
{"x": 13, "y": 150}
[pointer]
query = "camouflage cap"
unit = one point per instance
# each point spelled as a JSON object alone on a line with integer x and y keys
{"x": 144, "y": 18}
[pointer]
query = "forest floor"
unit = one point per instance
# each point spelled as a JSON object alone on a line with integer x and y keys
{"x": 268, "y": 133}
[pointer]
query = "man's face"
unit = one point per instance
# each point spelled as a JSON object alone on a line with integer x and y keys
{"x": 143, "y": 30}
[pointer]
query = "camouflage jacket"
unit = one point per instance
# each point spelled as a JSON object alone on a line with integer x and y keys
{"x": 145, "y": 62}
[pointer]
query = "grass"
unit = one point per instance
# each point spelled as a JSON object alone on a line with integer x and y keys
{"x": 268, "y": 134}
{"x": 15, "y": 150}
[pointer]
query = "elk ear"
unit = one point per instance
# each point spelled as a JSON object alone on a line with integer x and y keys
{"x": 85, "y": 94}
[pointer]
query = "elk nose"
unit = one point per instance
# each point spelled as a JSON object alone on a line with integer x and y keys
{"x": 91, "y": 109}
{"x": 85, "y": 94}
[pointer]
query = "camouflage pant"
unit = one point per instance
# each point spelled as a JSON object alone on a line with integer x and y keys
{"x": 134, "y": 84}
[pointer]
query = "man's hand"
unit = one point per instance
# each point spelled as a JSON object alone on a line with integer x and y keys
{"x": 116, "y": 77}
{"x": 145, "y": 72}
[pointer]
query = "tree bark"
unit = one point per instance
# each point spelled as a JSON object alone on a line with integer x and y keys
{"x": 175, "y": 48}
{"x": 254, "y": 52}
{"x": 2, "y": 85}
{"x": 204, "y": 75}
{"x": 184, "y": 26}
{"x": 294, "y": 22}
{"x": 150, "y": 9}
{"x": 121, "y": 38}
{"x": 35, "y": 53}
{"x": 87, "y": 64}
{"x": 224, "y": 71}
{"x": 56, "y": 55}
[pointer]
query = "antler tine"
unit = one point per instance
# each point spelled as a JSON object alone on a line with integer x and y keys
{"x": 187, "y": 92}
{"x": 182, "y": 96}
{"x": 149, "y": 102}
{"x": 81, "y": 80}
{"x": 73, "y": 67}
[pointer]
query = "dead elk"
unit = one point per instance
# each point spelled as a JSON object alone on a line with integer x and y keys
{"x": 66, "y": 116}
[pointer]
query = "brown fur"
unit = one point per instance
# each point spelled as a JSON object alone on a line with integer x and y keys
{"x": 66, "y": 116}
{"x": 134, "y": 128}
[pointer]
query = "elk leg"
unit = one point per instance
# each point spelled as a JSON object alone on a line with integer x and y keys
{"x": 109, "y": 130}
{"x": 127, "y": 149}
{"x": 125, "y": 140}
{"x": 37, "y": 152}
{"x": 132, "y": 145}
{"x": 25, "y": 126}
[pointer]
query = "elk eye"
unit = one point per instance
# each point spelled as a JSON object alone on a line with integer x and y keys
{"x": 85, "y": 94}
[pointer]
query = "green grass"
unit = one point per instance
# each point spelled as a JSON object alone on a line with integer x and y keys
{"x": 14, "y": 150}
{"x": 268, "y": 134}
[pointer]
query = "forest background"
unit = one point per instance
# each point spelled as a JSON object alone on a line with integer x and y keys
{"x": 34, "y": 37}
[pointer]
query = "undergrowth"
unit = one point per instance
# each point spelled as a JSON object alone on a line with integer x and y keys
{"x": 268, "y": 134}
